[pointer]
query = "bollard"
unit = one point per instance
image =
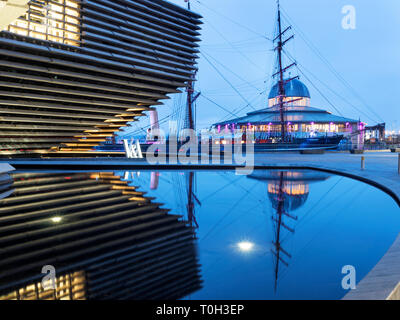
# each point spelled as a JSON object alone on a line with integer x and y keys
{"x": 362, "y": 163}
{"x": 398, "y": 167}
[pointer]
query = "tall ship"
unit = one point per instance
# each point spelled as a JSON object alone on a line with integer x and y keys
{"x": 289, "y": 122}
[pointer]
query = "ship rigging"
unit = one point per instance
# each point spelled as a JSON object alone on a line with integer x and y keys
{"x": 289, "y": 121}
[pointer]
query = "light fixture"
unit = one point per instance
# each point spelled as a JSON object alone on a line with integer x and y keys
{"x": 56, "y": 219}
{"x": 245, "y": 246}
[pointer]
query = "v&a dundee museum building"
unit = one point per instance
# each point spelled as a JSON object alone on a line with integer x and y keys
{"x": 73, "y": 73}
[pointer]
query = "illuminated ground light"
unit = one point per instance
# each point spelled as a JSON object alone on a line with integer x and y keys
{"x": 56, "y": 219}
{"x": 245, "y": 246}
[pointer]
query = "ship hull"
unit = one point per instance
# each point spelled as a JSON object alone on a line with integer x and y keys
{"x": 323, "y": 143}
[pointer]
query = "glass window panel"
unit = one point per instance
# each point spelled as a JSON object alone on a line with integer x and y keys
{"x": 47, "y": 20}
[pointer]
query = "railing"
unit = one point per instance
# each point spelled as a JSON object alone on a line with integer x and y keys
{"x": 370, "y": 147}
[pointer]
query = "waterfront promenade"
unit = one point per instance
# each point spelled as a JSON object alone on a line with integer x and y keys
{"x": 381, "y": 168}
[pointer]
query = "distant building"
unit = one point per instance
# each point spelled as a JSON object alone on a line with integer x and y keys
{"x": 392, "y": 137}
{"x": 300, "y": 117}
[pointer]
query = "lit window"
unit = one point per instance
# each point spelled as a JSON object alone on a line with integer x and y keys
{"x": 46, "y": 20}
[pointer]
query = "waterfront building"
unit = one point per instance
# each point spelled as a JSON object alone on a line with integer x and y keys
{"x": 74, "y": 73}
{"x": 301, "y": 119}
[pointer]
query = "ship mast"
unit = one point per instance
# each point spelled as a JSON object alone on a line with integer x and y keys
{"x": 278, "y": 251}
{"x": 281, "y": 70}
{"x": 190, "y": 116}
{"x": 191, "y": 98}
{"x": 281, "y": 83}
{"x": 190, "y": 124}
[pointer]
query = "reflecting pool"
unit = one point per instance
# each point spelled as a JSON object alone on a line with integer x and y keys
{"x": 190, "y": 235}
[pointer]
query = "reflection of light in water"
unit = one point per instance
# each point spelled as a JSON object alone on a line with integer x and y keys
{"x": 290, "y": 188}
{"x": 245, "y": 246}
{"x": 56, "y": 219}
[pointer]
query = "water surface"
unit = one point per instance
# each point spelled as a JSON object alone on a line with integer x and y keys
{"x": 327, "y": 222}
{"x": 191, "y": 235}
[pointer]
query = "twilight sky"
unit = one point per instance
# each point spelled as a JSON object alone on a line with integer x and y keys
{"x": 368, "y": 58}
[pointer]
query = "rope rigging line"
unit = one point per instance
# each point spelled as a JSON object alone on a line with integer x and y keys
{"x": 241, "y": 86}
{"x": 241, "y": 108}
{"x": 329, "y": 65}
{"x": 218, "y": 105}
{"x": 234, "y": 22}
{"x": 233, "y": 46}
{"x": 335, "y": 93}
{"x": 228, "y": 212}
{"x": 312, "y": 83}
{"x": 231, "y": 71}
{"x": 339, "y": 212}
{"x": 320, "y": 92}
{"x": 312, "y": 210}
{"x": 243, "y": 43}
{"x": 223, "y": 77}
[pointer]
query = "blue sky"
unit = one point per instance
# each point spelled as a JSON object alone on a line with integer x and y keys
{"x": 367, "y": 57}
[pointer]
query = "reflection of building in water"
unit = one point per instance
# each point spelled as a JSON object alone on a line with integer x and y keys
{"x": 287, "y": 191}
{"x": 5, "y": 185}
{"x": 105, "y": 239}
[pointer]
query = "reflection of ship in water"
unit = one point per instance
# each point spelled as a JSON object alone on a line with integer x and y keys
{"x": 192, "y": 199}
{"x": 184, "y": 190}
{"x": 105, "y": 239}
{"x": 287, "y": 191}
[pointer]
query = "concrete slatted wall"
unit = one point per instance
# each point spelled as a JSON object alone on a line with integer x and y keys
{"x": 58, "y": 97}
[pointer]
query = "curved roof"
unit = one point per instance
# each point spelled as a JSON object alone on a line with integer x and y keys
{"x": 294, "y": 115}
{"x": 294, "y": 88}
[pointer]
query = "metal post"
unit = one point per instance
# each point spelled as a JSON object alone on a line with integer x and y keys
{"x": 398, "y": 167}
{"x": 362, "y": 163}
